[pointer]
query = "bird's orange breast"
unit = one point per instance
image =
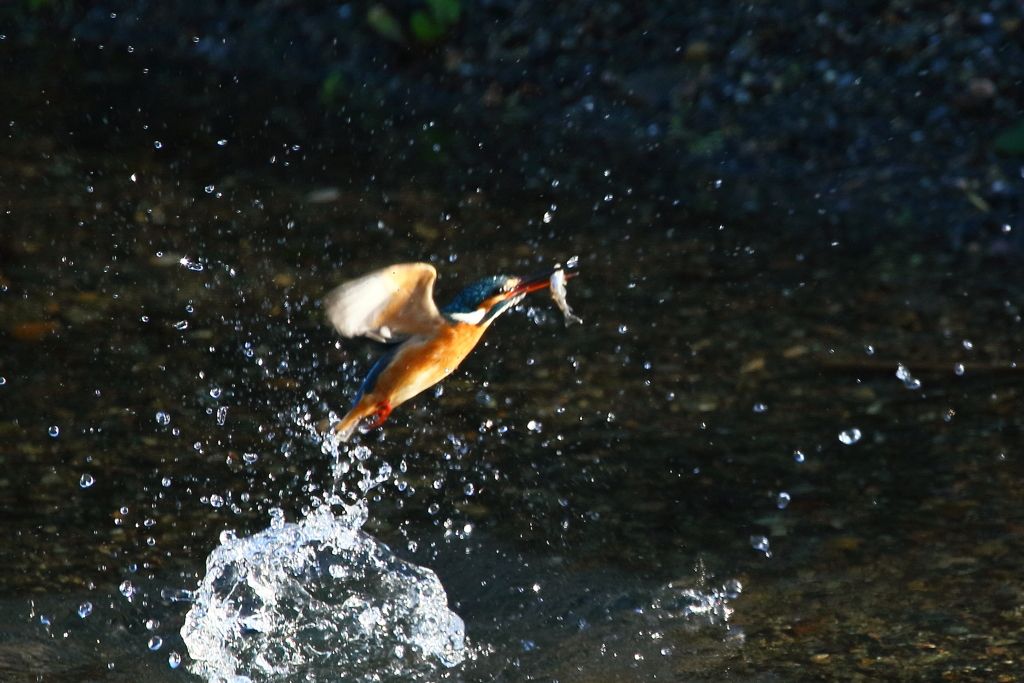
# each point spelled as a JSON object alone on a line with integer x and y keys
{"x": 422, "y": 362}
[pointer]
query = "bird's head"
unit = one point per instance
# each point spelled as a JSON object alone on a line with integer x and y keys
{"x": 486, "y": 299}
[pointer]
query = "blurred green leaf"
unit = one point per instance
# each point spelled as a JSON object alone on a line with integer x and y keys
{"x": 425, "y": 28}
{"x": 330, "y": 88}
{"x": 384, "y": 23}
{"x": 1011, "y": 141}
{"x": 446, "y": 12}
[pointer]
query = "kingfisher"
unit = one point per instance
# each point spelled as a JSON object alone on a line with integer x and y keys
{"x": 395, "y": 305}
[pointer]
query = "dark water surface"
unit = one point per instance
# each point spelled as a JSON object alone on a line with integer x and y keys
{"x": 160, "y": 325}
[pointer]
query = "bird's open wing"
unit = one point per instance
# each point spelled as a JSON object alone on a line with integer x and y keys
{"x": 387, "y": 305}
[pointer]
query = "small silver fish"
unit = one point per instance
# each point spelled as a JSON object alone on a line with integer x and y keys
{"x": 558, "y": 294}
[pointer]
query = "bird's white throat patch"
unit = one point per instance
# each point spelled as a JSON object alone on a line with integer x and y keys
{"x": 471, "y": 318}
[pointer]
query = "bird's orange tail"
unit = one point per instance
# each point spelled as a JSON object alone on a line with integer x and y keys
{"x": 364, "y": 408}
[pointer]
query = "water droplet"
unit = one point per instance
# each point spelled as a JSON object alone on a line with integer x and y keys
{"x": 733, "y": 588}
{"x": 155, "y": 643}
{"x": 968, "y": 345}
{"x": 798, "y": 456}
{"x": 869, "y": 349}
{"x": 86, "y": 481}
{"x": 222, "y": 415}
{"x": 761, "y": 543}
{"x": 850, "y": 436}
{"x": 908, "y": 380}
{"x": 215, "y": 392}
{"x": 85, "y": 609}
{"x": 958, "y": 369}
{"x": 165, "y": 482}
{"x": 177, "y": 595}
{"x": 152, "y": 624}
{"x": 181, "y": 325}
{"x": 53, "y": 431}
{"x": 209, "y": 189}
{"x": 782, "y": 500}
{"x": 3, "y": 381}
{"x": 174, "y": 660}
{"x": 127, "y": 589}
{"x": 221, "y": 143}
{"x": 249, "y": 458}
{"x": 276, "y": 518}
{"x": 216, "y": 501}
{"x": 533, "y": 426}
{"x": 623, "y": 329}
{"x": 434, "y": 508}
{"x": 760, "y": 407}
{"x": 158, "y": 144}
{"x": 468, "y": 489}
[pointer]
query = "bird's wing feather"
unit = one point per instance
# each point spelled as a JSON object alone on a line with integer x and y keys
{"x": 387, "y": 305}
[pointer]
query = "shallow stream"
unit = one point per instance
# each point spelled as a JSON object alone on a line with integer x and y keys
{"x": 763, "y": 456}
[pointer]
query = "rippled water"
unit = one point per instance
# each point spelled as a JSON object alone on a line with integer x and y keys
{"x": 592, "y": 498}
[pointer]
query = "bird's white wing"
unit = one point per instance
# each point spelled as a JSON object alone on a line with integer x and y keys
{"x": 387, "y": 305}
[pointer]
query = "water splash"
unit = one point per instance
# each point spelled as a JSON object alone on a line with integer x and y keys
{"x": 319, "y": 600}
{"x": 699, "y": 607}
{"x": 347, "y": 460}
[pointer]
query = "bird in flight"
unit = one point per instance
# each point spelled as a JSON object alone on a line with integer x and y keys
{"x": 395, "y": 305}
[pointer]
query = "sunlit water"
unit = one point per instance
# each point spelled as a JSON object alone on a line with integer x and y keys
{"x": 318, "y": 600}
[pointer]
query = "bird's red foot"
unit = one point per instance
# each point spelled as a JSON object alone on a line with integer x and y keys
{"x": 381, "y": 414}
